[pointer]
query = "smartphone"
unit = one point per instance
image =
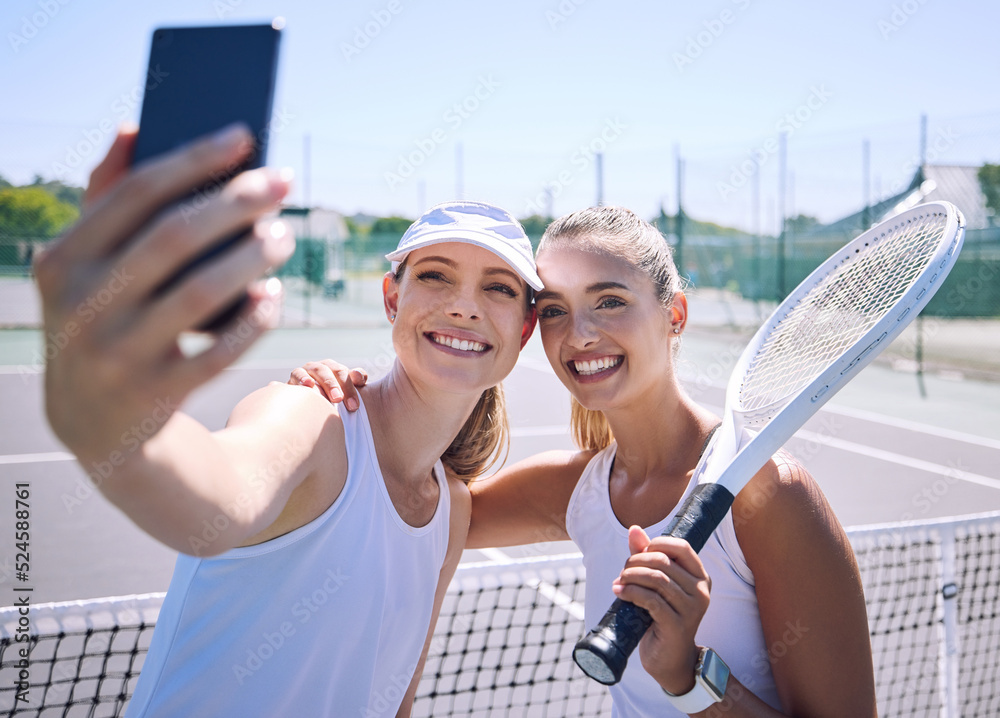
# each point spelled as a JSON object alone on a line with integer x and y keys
{"x": 199, "y": 80}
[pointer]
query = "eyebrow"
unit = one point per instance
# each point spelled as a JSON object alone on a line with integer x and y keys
{"x": 595, "y": 288}
{"x": 454, "y": 265}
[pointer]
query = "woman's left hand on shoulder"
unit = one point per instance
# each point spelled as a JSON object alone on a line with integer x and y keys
{"x": 332, "y": 379}
{"x": 665, "y": 576}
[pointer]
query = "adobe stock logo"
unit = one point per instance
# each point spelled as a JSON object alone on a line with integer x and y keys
{"x": 365, "y": 34}
{"x": 47, "y": 10}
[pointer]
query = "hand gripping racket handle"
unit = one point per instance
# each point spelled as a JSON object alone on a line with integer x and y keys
{"x": 603, "y": 653}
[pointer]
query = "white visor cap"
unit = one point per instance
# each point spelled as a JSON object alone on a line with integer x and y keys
{"x": 478, "y": 223}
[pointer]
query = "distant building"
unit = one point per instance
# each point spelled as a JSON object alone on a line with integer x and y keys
{"x": 329, "y": 227}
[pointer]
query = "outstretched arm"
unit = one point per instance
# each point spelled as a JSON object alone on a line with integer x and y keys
{"x": 113, "y": 388}
{"x": 526, "y": 502}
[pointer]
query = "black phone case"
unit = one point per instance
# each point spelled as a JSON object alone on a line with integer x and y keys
{"x": 199, "y": 80}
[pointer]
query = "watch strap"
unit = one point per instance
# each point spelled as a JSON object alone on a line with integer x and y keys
{"x": 694, "y": 701}
{"x": 700, "y": 697}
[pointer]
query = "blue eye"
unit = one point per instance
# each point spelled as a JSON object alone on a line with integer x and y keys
{"x": 549, "y": 312}
{"x": 611, "y": 303}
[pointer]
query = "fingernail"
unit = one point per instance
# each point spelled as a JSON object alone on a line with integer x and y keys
{"x": 352, "y": 404}
{"x": 230, "y": 135}
{"x": 280, "y": 181}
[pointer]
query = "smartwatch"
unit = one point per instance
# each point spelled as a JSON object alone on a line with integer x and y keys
{"x": 711, "y": 674}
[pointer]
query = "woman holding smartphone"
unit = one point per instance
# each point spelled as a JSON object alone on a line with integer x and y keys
{"x": 316, "y": 545}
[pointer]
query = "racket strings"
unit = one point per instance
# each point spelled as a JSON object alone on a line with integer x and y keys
{"x": 839, "y": 310}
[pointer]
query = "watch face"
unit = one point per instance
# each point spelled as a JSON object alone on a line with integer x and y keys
{"x": 714, "y": 674}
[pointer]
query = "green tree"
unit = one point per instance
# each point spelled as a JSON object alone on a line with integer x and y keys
{"x": 801, "y": 224}
{"x": 989, "y": 180}
{"x": 385, "y": 233}
{"x": 33, "y": 213}
{"x": 391, "y": 225}
{"x": 534, "y": 227}
{"x": 354, "y": 228}
{"x": 64, "y": 192}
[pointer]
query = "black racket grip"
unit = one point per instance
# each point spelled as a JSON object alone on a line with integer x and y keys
{"x": 603, "y": 653}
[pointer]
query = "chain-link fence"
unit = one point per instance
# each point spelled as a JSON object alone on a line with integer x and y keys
{"x": 731, "y": 239}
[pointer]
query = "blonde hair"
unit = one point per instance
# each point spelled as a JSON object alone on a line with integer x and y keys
{"x": 484, "y": 437}
{"x": 590, "y": 429}
{"x": 618, "y": 232}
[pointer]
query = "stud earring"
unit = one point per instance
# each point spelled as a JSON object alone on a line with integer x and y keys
{"x": 677, "y": 331}
{"x": 392, "y": 318}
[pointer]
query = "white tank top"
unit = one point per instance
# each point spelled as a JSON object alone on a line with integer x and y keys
{"x": 327, "y": 620}
{"x": 731, "y": 625}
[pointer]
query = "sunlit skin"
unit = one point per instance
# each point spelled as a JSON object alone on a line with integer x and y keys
{"x": 613, "y": 317}
{"x": 455, "y": 309}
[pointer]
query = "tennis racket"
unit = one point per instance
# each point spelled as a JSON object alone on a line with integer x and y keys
{"x": 828, "y": 329}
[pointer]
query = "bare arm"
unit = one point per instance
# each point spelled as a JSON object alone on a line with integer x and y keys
{"x": 113, "y": 389}
{"x": 203, "y": 493}
{"x": 526, "y": 502}
{"x": 458, "y": 528}
{"x": 810, "y": 594}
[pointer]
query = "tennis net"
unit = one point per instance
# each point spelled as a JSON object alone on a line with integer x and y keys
{"x": 504, "y": 640}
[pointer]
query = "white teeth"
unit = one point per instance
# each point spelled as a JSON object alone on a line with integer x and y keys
{"x": 464, "y": 345}
{"x": 595, "y": 365}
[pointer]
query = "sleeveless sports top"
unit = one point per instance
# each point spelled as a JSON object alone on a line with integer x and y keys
{"x": 731, "y": 625}
{"x": 327, "y": 620}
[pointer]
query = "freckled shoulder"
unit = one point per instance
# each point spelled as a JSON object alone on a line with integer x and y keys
{"x": 781, "y": 483}
{"x": 782, "y": 511}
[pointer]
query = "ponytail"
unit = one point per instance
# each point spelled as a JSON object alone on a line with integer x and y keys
{"x": 478, "y": 445}
{"x": 590, "y": 428}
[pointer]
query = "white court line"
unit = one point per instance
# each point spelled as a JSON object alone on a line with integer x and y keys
{"x": 494, "y": 554}
{"x": 545, "y": 589}
{"x": 36, "y": 458}
{"x": 949, "y": 472}
{"x": 912, "y": 426}
{"x": 885, "y": 419}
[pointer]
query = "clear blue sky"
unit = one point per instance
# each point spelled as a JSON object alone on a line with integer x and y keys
{"x": 719, "y": 79}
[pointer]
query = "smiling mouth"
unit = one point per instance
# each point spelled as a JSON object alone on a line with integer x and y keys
{"x": 595, "y": 366}
{"x": 464, "y": 345}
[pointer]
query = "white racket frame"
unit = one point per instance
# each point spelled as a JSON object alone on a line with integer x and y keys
{"x": 738, "y": 451}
